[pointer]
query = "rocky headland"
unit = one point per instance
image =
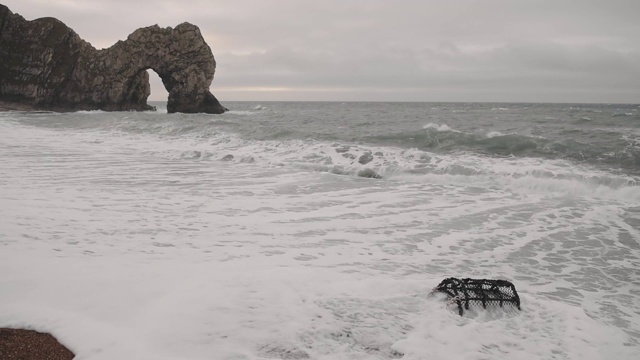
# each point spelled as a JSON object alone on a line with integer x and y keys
{"x": 45, "y": 65}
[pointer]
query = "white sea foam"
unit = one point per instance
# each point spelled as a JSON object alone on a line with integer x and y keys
{"x": 131, "y": 245}
{"x": 244, "y": 112}
{"x": 439, "y": 127}
{"x": 90, "y": 112}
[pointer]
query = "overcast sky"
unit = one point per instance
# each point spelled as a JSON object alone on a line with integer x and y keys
{"x": 403, "y": 50}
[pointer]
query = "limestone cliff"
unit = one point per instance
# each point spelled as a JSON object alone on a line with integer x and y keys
{"x": 45, "y": 65}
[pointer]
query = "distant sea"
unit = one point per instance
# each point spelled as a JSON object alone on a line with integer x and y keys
{"x": 314, "y": 230}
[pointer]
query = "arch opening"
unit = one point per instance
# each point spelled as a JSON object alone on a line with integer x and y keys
{"x": 158, "y": 91}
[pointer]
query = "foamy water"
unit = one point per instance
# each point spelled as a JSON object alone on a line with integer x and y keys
{"x": 128, "y": 236}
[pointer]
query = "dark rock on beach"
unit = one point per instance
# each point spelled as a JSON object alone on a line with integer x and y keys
{"x": 368, "y": 173}
{"x": 18, "y": 344}
{"x": 45, "y": 65}
{"x": 365, "y": 158}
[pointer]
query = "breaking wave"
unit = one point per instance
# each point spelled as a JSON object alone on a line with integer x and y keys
{"x": 618, "y": 150}
{"x": 392, "y": 163}
{"x": 436, "y": 152}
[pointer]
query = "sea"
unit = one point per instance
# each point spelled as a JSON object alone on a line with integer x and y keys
{"x": 318, "y": 230}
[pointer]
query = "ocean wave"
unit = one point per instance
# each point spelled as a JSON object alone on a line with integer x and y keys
{"x": 582, "y": 120}
{"x": 90, "y": 112}
{"x": 439, "y": 127}
{"x": 435, "y": 152}
{"x": 244, "y": 112}
{"x": 615, "y": 150}
{"x": 524, "y": 175}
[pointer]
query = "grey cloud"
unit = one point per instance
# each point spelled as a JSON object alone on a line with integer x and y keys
{"x": 526, "y": 50}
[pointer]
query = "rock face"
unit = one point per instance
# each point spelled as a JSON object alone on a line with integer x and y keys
{"x": 45, "y": 65}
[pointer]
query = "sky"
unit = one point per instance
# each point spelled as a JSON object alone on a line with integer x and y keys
{"x": 382, "y": 50}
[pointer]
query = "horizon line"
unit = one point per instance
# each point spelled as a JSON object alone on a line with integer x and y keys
{"x": 428, "y": 101}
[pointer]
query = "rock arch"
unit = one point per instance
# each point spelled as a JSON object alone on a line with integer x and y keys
{"x": 50, "y": 67}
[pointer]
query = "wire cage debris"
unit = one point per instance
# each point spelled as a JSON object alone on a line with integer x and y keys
{"x": 475, "y": 292}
